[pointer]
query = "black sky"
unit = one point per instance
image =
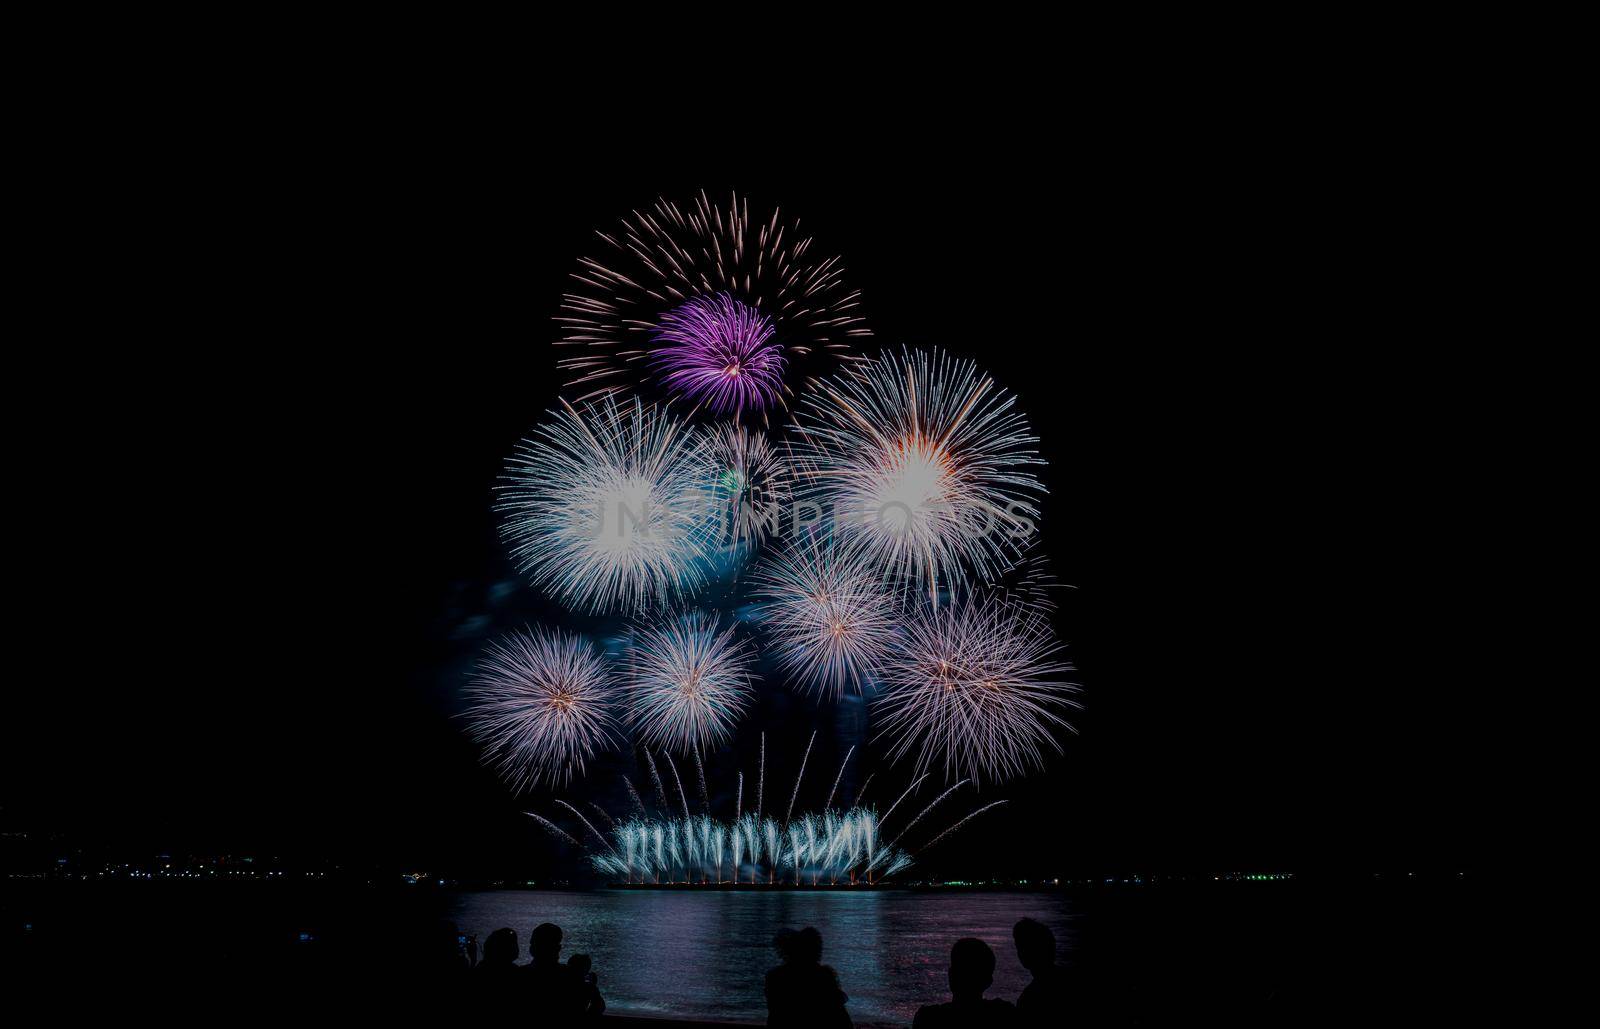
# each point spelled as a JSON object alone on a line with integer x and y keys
{"x": 289, "y": 389}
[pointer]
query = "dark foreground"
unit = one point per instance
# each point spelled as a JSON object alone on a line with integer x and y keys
{"x": 1304, "y": 952}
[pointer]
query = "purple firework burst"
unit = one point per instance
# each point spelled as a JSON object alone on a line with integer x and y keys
{"x": 719, "y": 352}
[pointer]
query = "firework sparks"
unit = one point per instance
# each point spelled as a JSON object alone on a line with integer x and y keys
{"x": 1029, "y": 582}
{"x": 688, "y": 289}
{"x": 719, "y": 353}
{"x": 540, "y": 704}
{"x": 937, "y": 839}
{"x": 925, "y": 464}
{"x": 682, "y": 796}
{"x": 838, "y": 778}
{"x": 606, "y": 507}
{"x": 688, "y": 682}
{"x": 754, "y": 484}
{"x": 798, "y": 778}
{"x": 829, "y": 847}
{"x": 976, "y": 687}
{"x": 655, "y": 779}
{"x": 553, "y": 829}
{"x": 831, "y": 624}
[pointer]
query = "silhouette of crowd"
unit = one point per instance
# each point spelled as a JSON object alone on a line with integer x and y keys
{"x": 801, "y": 991}
{"x": 561, "y": 993}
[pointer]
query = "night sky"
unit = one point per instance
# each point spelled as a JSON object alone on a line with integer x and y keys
{"x": 276, "y": 554}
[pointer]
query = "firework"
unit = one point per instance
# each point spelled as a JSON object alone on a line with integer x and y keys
{"x": 606, "y": 506}
{"x": 753, "y": 485}
{"x": 719, "y": 353}
{"x": 688, "y": 681}
{"x": 540, "y": 705}
{"x": 1029, "y": 582}
{"x": 683, "y": 290}
{"x": 925, "y": 465}
{"x": 830, "y": 621}
{"x": 977, "y": 688}
{"x": 832, "y": 847}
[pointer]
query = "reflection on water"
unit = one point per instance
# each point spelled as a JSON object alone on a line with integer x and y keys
{"x": 704, "y": 954}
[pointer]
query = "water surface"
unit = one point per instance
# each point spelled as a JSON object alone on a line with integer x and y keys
{"x": 705, "y": 954}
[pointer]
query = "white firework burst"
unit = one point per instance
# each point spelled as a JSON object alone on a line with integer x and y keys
{"x": 754, "y": 484}
{"x": 976, "y": 687}
{"x": 607, "y": 507}
{"x": 540, "y": 704}
{"x": 831, "y": 623}
{"x": 688, "y": 681}
{"x": 925, "y": 465}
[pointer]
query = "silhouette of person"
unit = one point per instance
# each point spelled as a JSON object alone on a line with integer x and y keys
{"x": 971, "y": 972}
{"x": 499, "y": 957}
{"x": 497, "y": 984}
{"x": 1043, "y": 1001}
{"x": 588, "y": 985}
{"x": 553, "y": 988}
{"x": 803, "y": 992}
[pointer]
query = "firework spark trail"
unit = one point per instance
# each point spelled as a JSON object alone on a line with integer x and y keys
{"x": 700, "y": 774}
{"x": 604, "y": 817}
{"x": 604, "y": 506}
{"x": 926, "y": 466}
{"x": 655, "y": 777}
{"x": 681, "y": 795}
{"x": 698, "y": 283}
{"x": 915, "y": 783}
{"x": 976, "y": 687}
{"x": 586, "y": 823}
{"x": 839, "y": 777}
{"x": 862, "y": 792}
{"x": 761, "y": 780}
{"x": 553, "y": 828}
{"x": 688, "y": 682}
{"x": 790, "y": 815}
{"x": 540, "y": 704}
{"x": 935, "y": 841}
{"x": 633, "y": 794}
{"x": 924, "y": 813}
{"x": 738, "y": 798}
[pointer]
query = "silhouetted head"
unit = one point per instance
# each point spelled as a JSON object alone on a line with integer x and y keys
{"x": 545, "y": 946}
{"x": 971, "y": 968}
{"x": 799, "y": 948}
{"x": 580, "y": 963}
{"x": 500, "y": 948}
{"x": 1036, "y": 944}
{"x": 808, "y": 946}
